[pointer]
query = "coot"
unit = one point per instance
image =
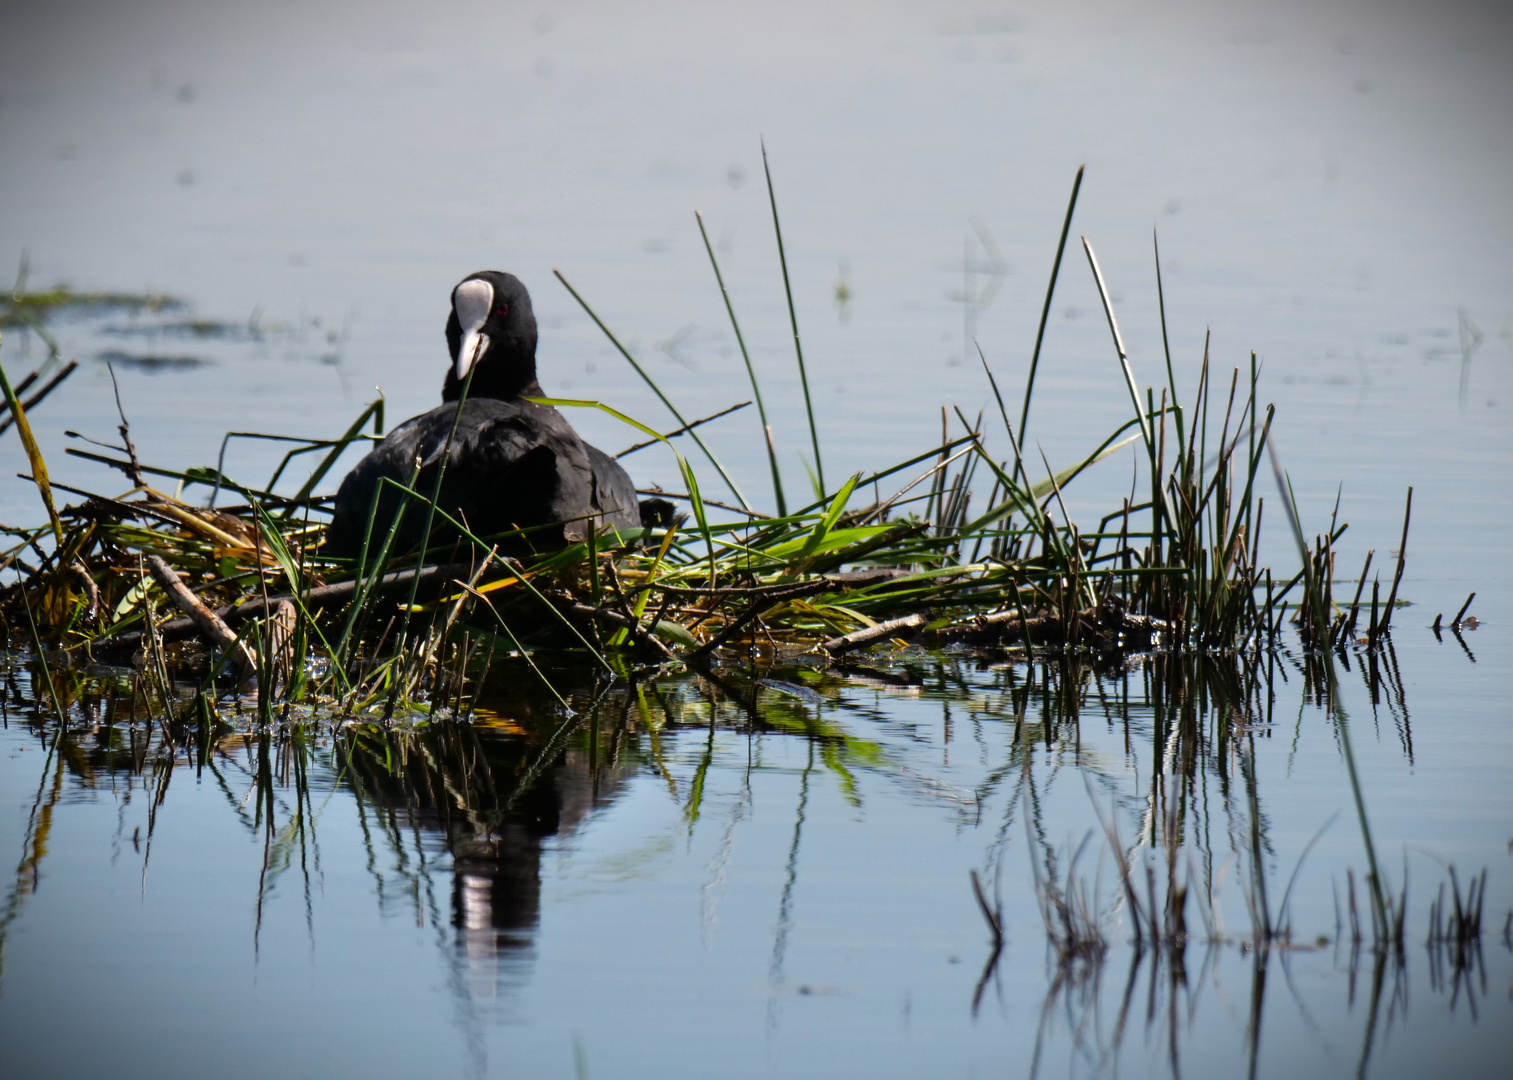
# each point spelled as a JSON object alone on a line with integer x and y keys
{"x": 512, "y": 462}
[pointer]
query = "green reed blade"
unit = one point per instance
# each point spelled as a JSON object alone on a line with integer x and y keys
{"x": 1007, "y": 427}
{"x": 425, "y": 529}
{"x": 647, "y": 379}
{"x": 1113, "y": 325}
{"x": 297, "y": 584}
{"x": 1129, "y": 380}
{"x": 1255, "y": 374}
{"x": 1045, "y": 311}
{"x": 33, "y": 453}
{"x": 822, "y": 529}
{"x": 793, "y": 319}
{"x": 772, "y": 457}
{"x": 1171, "y": 377}
{"x": 372, "y": 412}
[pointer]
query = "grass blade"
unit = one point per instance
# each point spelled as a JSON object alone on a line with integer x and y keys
{"x": 33, "y": 453}
{"x": 1050, "y": 291}
{"x": 772, "y": 456}
{"x": 374, "y": 412}
{"x": 1171, "y": 378}
{"x": 647, "y": 379}
{"x": 793, "y": 319}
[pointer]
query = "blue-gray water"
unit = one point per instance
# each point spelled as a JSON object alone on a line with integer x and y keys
{"x": 1330, "y": 190}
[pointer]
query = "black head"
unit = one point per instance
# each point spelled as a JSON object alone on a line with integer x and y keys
{"x": 493, "y": 330}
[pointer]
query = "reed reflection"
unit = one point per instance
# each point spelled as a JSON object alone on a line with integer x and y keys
{"x": 1166, "y": 755}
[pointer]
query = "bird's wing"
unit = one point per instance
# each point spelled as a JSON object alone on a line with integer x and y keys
{"x": 614, "y": 495}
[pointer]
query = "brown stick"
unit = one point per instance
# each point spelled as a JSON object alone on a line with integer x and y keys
{"x": 681, "y": 431}
{"x": 641, "y": 635}
{"x": 134, "y": 468}
{"x": 322, "y": 596}
{"x": 209, "y": 624}
{"x": 35, "y": 399}
{"x": 279, "y": 646}
{"x": 867, "y": 635}
{"x": 761, "y": 604}
{"x": 707, "y": 502}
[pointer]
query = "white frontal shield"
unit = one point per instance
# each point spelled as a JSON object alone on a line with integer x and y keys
{"x": 472, "y": 301}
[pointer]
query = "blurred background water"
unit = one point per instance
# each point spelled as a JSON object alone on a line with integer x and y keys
{"x": 1329, "y": 183}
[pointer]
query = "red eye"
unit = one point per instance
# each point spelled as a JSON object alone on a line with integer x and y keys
{"x": 504, "y": 309}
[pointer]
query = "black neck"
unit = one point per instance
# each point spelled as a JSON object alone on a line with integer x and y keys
{"x": 504, "y": 381}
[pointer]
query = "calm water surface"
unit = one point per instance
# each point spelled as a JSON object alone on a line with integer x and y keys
{"x": 760, "y": 873}
{"x": 771, "y": 878}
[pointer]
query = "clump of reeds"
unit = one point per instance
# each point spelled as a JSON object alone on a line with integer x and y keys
{"x": 251, "y": 596}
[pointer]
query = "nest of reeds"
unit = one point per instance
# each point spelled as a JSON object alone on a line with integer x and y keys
{"x": 244, "y": 589}
{"x": 246, "y": 592}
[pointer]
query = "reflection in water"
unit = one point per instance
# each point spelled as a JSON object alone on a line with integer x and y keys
{"x": 486, "y": 795}
{"x": 456, "y": 818}
{"x": 491, "y": 799}
{"x": 491, "y": 794}
{"x": 1206, "y": 715}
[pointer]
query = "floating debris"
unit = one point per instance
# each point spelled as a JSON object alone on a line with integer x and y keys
{"x": 152, "y": 364}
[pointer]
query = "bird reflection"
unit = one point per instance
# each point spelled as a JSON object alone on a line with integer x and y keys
{"x": 493, "y": 794}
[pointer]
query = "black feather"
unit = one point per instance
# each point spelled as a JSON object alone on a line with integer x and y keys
{"x": 512, "y": 463}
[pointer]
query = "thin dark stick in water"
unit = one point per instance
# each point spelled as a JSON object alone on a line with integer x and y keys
{"x": 987, "y": 912}
{"x": 133, "y": 469}
{"x": 36, "y": 398}
{"x": 20, "y": 388}
{"x": 1402, "y": 554}
{"x": 1355, "y": 604}
{"x": 681, "y": 431}
{"x": 706, "y": 501}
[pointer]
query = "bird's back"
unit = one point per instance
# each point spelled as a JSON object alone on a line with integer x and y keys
{"x": 512, "y": 463}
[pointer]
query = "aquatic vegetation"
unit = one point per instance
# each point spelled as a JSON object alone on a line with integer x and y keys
{"x": 900, "y": 553}
{"x": 222, "y": 600}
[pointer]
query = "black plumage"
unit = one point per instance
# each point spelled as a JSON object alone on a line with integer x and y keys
{"x": 512, "y": 462}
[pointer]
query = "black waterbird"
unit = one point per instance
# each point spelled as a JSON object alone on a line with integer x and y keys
{"x": 509, "y": 462}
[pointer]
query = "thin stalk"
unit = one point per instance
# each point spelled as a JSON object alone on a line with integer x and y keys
{"x": 1171, "y": 377}
{"x": 1129, "y": 379}
{"x": 1008, "y": 427}
{"x": 1397, "y": 576}
{"x": 647, "y": 379}
{"x": 1341, "y": 718}
{"x": 1045, "y": 311}
{"x": 793, "y": 319}
{"x": 33, "y": 454}
{"x": 772, "y": 457}
{"x": 425, "y": 530}
{"x": 1113, "y": 325}
{"x": 1255, "y": 375}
